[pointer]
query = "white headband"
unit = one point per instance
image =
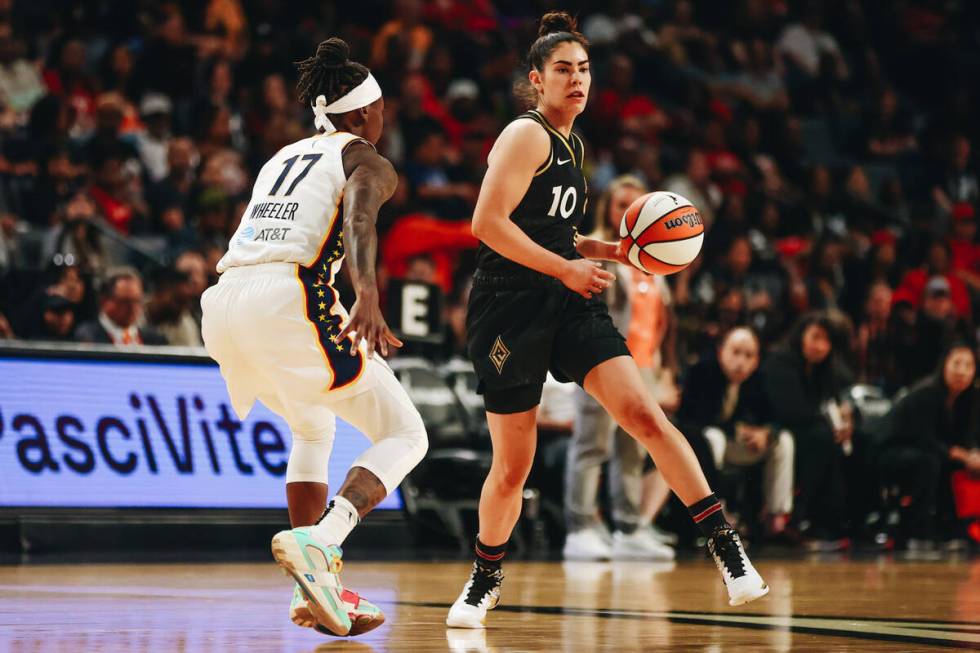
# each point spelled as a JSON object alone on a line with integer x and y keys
{"x": 360, "y": 96}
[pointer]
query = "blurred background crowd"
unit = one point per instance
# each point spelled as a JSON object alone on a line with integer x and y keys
{"x": 828, "y": 146}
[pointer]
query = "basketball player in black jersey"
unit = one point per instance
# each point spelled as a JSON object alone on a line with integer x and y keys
{"x": 534, "y": 307}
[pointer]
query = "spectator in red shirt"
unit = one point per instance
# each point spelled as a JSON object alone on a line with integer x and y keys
{"x": 119, "y": 200}
{"x": 938, "y": 263}
{"x": 620, "y": 104}
{"x": 965, "y": 262}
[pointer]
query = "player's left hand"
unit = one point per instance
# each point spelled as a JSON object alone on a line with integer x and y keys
{"x": 367, "y": 324}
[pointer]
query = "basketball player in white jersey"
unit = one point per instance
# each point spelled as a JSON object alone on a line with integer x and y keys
{"x": 276, "y": 326}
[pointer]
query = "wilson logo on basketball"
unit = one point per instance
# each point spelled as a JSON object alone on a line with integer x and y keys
{"x": 692, "y": 219}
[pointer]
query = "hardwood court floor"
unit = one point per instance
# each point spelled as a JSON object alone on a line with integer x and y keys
{"x": 813, "y": 606}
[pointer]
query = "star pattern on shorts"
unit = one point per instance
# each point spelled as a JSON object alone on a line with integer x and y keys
{"x": 322, "y": 306}
{"x": 323, "y": 318}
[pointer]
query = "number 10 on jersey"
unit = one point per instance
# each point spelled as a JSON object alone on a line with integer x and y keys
{"x": 563, "y": 201}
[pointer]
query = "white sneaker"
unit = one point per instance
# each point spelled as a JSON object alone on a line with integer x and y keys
{"x": 743, "y": 582}
{"x": 480, "y": 594}
{"x": 586, "y": 544}
{"x": 662, "y": 536}
{"x": 639, "y": 545}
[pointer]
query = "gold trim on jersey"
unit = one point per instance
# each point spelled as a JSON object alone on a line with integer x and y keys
{"x": 581, "y": 149}
{"x": 547, "y": 125}
{"x": 547, "y": 164}
{"x": 326, "y": 234}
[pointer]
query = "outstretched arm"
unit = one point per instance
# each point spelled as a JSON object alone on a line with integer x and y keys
{"x": 371, "y": 180}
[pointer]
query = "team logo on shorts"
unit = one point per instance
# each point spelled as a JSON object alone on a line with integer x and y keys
{"x": 499, "y": 355}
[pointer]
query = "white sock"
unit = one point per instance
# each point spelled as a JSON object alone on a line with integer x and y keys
{"x": 338, "y": 523}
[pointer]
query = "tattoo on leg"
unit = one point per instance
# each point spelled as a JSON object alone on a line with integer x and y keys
{"x": 363, "y": 489}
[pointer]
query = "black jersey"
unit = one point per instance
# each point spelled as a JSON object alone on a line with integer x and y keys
{"x": 554, "y": 204}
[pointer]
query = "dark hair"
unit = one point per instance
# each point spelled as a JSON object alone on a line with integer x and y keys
{"x": 948, "y": 350}
{"x": 723, "y": 338}
{"x": 824, "y": 379}
{"x": 818, "y": 318}
{"x": 108, "y": 288}
{"x": 328, "y": 73}
{"x": 556, "y": 27}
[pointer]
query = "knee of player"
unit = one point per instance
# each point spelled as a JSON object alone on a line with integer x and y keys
{"x": 417, "y": 437}
{"x": 511, "y": 474}
{"x": 643, "y": 421}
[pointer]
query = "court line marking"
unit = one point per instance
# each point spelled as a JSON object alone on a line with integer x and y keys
{"x": 929, "y": 632}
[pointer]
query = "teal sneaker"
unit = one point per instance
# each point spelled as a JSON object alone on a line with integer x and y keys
{"x": 364, "y": 615}
{"x": 316, "y": 568}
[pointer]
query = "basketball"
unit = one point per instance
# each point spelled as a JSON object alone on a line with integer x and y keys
{"x": 661, "y": 233}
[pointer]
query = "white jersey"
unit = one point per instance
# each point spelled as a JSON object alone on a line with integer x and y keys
{"x": 295, "y": 214}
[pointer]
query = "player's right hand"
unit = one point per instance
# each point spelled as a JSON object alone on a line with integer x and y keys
{"x": 586, "y": 277}
{"x": 367, "y": 324}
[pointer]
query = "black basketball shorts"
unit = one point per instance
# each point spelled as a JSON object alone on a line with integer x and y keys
{"x": 519, "y": 328}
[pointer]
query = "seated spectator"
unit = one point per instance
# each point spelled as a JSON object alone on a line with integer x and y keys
{"x": 936, "y": 326}
{"x": 890, "y": 133}
{"x": 116, "y": 192}
{"x": 110, "y": 117}
{"x": 121, "y": 308}
{"x": 55, "y": 321}
{"x": 20, "y": 84}
{"x": 195, "y": 266}
{"x": 803, "y": 383}
{"x": 403, "y": 41}
{"x": 964, "y": 251}
{"x": 938, "y": 263}
{"x": 63, "y": 280}
{"x": 931, "y": 432}
{"x": 825, "y": 274}
{"x": 428, "y": 172}
{"x": 75, "y": 237}
{"x": 176, "y": 188}
{"x": 695, "y": 184}
{"x": 725, "y": 415}
{"x": 872, "y": 345}
{"x": 812, "y": 58}
{"x": 168, "y": 312}
{"x": 760, "y": 85}
{"x": 956, "y": 181}
{"x": 66, "y": 77}
{"x": 625, "y": 110}
{"x": 153, "y": 145}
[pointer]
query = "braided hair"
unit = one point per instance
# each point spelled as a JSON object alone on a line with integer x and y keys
{"x": 328, "y": 72}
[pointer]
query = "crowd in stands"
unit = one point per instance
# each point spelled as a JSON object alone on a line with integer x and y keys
{"x": 829, "y": 146}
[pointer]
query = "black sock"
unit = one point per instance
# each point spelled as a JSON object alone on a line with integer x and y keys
{"x": 708, "y": 515}
{"x": 489, "y": 557}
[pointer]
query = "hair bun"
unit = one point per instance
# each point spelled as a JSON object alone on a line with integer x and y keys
{"x": 557, "y": 21}
{"x": 332, "y": 53}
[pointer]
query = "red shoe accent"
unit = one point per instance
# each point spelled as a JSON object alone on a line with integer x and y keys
{"x": 348, "y": 596}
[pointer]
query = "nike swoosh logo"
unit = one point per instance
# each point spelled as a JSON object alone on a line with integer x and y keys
{"x": 561, "y": 163}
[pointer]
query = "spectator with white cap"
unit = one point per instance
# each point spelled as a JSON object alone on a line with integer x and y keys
{"x": 154, "y": 143}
